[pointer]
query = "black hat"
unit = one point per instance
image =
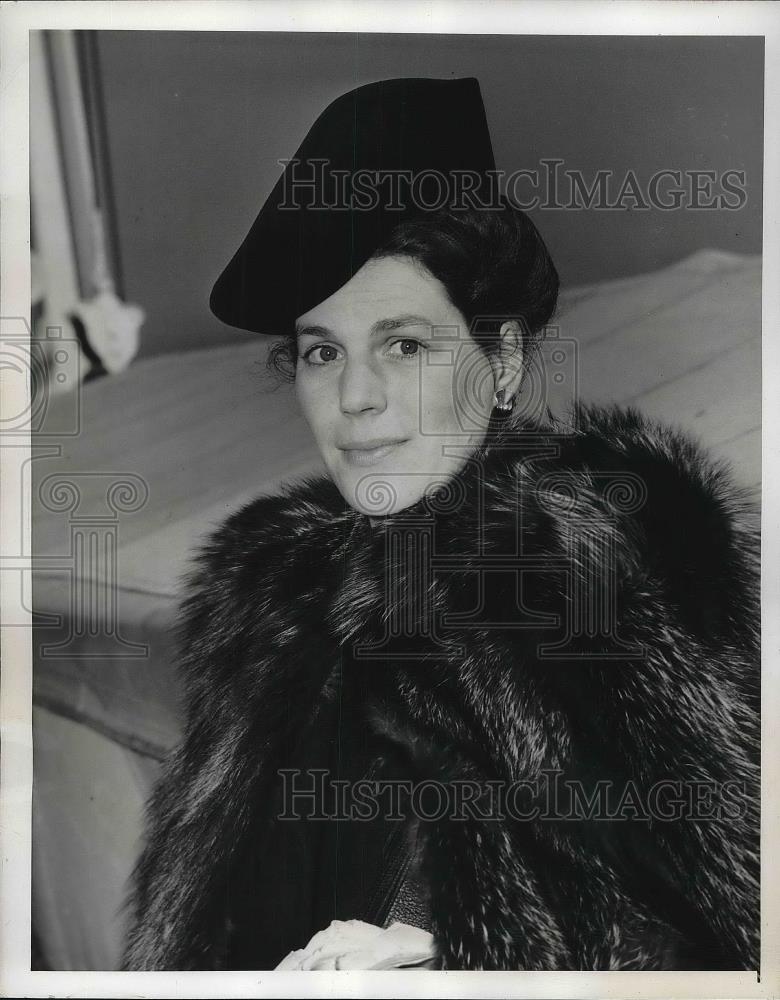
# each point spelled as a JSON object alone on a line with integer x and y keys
{"x": 378, "y": 155}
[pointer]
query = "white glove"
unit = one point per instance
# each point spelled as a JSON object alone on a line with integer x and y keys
{"x": 354, "y": 944}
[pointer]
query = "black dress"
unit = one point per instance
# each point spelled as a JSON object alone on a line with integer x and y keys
{"x": 321, "y": 861}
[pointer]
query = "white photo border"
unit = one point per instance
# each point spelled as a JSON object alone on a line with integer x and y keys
{"x": 555, "y": 17}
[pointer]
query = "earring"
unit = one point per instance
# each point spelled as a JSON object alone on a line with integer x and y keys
{"x": 500, "y": 403}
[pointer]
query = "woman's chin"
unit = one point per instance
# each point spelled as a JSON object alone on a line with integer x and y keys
{"x": 379, "y": 500}
{"x": 382, "y": 495}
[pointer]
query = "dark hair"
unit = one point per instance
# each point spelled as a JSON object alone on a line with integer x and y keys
{"x": 492, "y": 262}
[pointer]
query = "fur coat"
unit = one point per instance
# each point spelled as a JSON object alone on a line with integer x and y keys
{"x": 578, "y": 605}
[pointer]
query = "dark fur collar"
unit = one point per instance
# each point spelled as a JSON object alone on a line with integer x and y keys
{"x": 614, "y": 513}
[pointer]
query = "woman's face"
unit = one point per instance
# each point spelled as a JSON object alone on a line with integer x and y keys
{"x": 396, "y": 391}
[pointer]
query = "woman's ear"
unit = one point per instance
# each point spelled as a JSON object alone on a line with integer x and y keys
{"x": 508, "y": 359}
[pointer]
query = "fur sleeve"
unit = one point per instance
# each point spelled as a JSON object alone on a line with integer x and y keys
{"x": 243, "y": 702}
{"x": 669, "y": 541}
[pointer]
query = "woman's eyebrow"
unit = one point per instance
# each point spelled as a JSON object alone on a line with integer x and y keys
{"x": 396, "y": 322}
{"x": 380, "y": 326}
{"x": 313, "y": 331}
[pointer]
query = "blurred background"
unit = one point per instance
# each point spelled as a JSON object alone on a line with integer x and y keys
{"x": 151, "y": 154}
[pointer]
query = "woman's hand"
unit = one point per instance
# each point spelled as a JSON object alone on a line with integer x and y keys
{"x": 354, "y": 944}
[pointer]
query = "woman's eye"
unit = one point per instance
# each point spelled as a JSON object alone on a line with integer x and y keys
{"x": 323, "y": 354}
{"x": 407, "y": 348}
{"x": 326, "y": 354}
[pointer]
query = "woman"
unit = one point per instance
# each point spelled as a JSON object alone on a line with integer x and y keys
{"x": 493, "y": 677}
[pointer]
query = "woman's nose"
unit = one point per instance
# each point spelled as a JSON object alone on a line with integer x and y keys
{"x": 361, "y": 388}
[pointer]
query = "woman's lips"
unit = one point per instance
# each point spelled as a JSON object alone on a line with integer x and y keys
{"x": 370, "y": 456}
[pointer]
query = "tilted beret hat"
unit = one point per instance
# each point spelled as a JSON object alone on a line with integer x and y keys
{"x": 383, "y": 153}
